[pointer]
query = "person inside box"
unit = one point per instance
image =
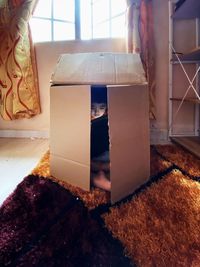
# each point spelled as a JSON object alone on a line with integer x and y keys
{"x": 100, "y": 162}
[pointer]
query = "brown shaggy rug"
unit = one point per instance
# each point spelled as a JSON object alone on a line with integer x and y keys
{"x": 46, "y": 222}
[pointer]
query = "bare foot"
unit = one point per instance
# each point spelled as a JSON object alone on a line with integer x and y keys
{"x": 101, "y": 181}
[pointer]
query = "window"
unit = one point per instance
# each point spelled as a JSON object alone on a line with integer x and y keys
{"x": 102, "y": 18}
{"x": 55, "y": 20}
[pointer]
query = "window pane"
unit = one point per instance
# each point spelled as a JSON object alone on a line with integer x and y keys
{"x": 43, "y": 9}
{"x": 118, "y": 27}
{"x": 41, "y": 30}
{"x": 86, "y": 20}
{"x": 101, "y": 30}
{"x": 64, "y": 31}
{"x": 117, "y": 7}
{"x": 100, "y": 11}
{"x": 64, "y": 10}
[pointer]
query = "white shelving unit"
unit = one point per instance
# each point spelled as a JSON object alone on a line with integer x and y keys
{"x": 187, "y": 63}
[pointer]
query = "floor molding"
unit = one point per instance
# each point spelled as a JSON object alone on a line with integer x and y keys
{"x": 159, "y": 136}
{"x": 24, "y": 134}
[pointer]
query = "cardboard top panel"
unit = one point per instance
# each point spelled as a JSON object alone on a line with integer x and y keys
{"x": 99, "y": 68}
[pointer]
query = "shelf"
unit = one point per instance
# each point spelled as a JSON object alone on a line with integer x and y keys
{"x": 190, "y": 9}
{"x": 191, "y": 143}
{"x": 185, "y": 10}
{"x": 193, "y": 55}
{"x": 191, "y": 100}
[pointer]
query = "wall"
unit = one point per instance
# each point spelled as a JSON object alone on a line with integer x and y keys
{"x": 47, "y": 54}
{"x": 161, "y": 26}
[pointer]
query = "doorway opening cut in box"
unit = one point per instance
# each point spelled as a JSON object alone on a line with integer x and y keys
{"x": 100, "y": 157}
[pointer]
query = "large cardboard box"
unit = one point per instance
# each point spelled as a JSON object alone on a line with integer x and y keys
{"x": 70, "y": 119}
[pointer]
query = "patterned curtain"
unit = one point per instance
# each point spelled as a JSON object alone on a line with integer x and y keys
{"x": 140, "y": 39}
{"x": 19, "y": 95}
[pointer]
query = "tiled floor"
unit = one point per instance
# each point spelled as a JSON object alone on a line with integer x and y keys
{"x": 17, "y": 158}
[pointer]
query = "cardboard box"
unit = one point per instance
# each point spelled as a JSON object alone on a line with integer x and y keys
{"x": 128, "y": 116}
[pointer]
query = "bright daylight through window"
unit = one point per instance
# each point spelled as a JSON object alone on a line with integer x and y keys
{"x": 55, "y": 20}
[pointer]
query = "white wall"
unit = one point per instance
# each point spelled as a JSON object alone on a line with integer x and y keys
{"x": 161, "y": 28}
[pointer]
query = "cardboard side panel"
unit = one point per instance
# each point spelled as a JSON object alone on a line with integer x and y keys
{"x": 129, "y": 139}
{"x": 70, "y": 172}
{"x": 70, "y": 130}
{"x": 70, "y": 122}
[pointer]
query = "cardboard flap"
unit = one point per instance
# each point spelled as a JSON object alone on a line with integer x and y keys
{"x": 129, "y": 139}
{"x": 70, "y": 115}
{"x": 70, "y": 171}
{"x": 99, "y": 68}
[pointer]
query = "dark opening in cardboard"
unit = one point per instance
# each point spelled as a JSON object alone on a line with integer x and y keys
{"x": 99, "y": 143}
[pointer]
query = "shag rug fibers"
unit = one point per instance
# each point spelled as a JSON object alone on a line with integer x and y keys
{"x": 46, "y": 222}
